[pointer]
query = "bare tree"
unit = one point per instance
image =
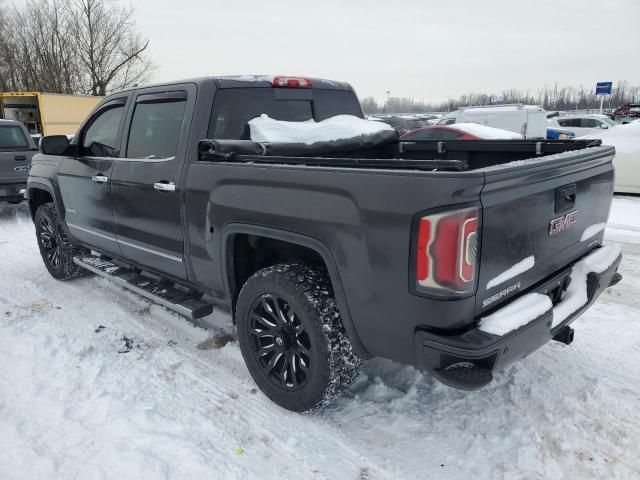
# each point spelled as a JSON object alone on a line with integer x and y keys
{"x": 112, "y": 55}
{"x": 71, "y": 46}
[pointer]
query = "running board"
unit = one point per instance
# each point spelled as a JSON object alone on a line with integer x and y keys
{"x": 188, "y": 304}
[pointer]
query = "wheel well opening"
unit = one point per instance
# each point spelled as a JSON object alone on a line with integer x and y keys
{"x": 252, "y": 253}
{"x": 38, "y": 197}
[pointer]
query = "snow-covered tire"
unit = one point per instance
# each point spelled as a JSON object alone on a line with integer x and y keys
{"x": 52, "y": 238}
{"x": 299, "y": 301}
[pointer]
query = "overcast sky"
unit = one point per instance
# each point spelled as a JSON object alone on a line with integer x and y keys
{"x": 428, "y": 49}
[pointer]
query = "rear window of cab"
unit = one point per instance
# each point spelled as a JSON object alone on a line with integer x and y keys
{"x": 12, "y": 138}
{"x": 234, "y": 107}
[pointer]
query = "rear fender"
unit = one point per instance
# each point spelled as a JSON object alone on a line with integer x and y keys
{"x": 298, "y": 239}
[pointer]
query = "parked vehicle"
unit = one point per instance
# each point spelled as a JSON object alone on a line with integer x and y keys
{"x": 16, "y": 150}
{"x": 478, "y": 260}
{"x": 47, "y": 113}
{"x": 460, "y": 131}
{"x": 582, "y": 125}
{"x": 626, "y": 140}
{"x": 626, "y": 113}
{"x": 403, "y": 123}
{"x": 530, "y": 121}
{"x": 430, "y": 118}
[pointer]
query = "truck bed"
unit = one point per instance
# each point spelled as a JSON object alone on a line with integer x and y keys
{"x": 432, "y": 155}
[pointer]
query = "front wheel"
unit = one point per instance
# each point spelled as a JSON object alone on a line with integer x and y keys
{"x": 292, "y": 338}
{"x": 55, "y": 248}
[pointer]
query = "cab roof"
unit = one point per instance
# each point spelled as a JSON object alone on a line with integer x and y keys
{"x": 249, "y": 81}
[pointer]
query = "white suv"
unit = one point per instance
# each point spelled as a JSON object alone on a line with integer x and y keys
{"x": 583, "y": 124}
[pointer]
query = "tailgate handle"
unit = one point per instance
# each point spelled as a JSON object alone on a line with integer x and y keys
{"x": 20, "y": 158}
{"x": 565, "y": 198}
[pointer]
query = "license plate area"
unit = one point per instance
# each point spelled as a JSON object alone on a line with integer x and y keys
{"x": 556, "y": 287}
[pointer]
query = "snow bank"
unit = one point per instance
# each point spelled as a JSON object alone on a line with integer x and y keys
{"x": 487, "y": 133}
{"x": 341, "y": 127}
{"x": 626, "y": 138}
{"x": 72, "y": 407}
{"x": 518, "y": 269}
{"x": 517, "y": 314}
{"x": 624, "y": 220}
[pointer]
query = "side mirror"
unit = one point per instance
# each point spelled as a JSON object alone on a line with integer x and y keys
{"x": 604, "y": 126}
{"x": 54, "y": 144}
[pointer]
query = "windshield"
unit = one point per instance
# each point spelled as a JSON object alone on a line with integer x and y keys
{"x": 609, "y": 121}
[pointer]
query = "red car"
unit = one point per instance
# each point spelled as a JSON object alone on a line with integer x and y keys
{"x": 439, "y": 132}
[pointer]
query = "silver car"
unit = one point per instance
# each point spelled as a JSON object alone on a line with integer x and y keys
{"x": 583, "y": 124}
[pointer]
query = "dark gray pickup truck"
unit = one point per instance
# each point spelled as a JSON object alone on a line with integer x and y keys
{"x": 455, "y": 257}
{"x": 16, "y": 150}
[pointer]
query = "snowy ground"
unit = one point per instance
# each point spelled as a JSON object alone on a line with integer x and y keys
{"x": 97, "y": 383}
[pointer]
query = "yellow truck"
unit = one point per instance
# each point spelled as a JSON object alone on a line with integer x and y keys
{"x": 47, "y": 113}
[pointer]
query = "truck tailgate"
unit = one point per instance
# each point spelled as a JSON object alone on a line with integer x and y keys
{"x": 14, "y": 166}
{"x": 538, "y": 217}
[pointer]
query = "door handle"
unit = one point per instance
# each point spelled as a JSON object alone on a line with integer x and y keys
{"x": 100, "y": 178}
{"x": 165, "y": 186}
{"x": 20, "y": 158}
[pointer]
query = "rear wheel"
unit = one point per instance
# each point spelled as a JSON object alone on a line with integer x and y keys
{"x": 292, "y": 338}
{"x": 55, "y": 248}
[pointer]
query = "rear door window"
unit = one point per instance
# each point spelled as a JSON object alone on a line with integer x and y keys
{"x": 12, "y": 138}
{"x": 155, "y": 130}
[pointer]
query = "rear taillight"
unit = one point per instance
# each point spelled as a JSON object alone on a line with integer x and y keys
{"x": 447, "y": 247}
{"x": 291, "y": 82}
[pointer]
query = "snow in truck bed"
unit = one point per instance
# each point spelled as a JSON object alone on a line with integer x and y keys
{"x": 340, "y": 127}
{"x": 96, "y": 383}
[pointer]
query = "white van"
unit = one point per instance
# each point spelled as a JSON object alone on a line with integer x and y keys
{"x": 528, "y": 120}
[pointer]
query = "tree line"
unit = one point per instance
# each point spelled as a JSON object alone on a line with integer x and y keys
{"x": 87, "y": 47}
{"x": 551, "y": 98}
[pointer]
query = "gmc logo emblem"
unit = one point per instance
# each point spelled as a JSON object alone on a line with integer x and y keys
{"x": 562, "y": 223}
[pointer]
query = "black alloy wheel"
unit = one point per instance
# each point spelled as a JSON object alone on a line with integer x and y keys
{"x": 281, "y": 343}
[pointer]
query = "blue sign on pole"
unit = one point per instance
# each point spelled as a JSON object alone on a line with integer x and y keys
{"x": 603, "y": 88}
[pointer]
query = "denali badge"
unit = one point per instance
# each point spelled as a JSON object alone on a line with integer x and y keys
{"x": 562, "y": 223}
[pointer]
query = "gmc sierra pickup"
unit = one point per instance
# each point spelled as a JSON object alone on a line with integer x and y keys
{"x": 16, "y": 150}
{"x": 455, "y": 257}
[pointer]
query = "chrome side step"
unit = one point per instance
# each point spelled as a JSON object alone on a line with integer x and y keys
{"x": 185, "y": 303}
